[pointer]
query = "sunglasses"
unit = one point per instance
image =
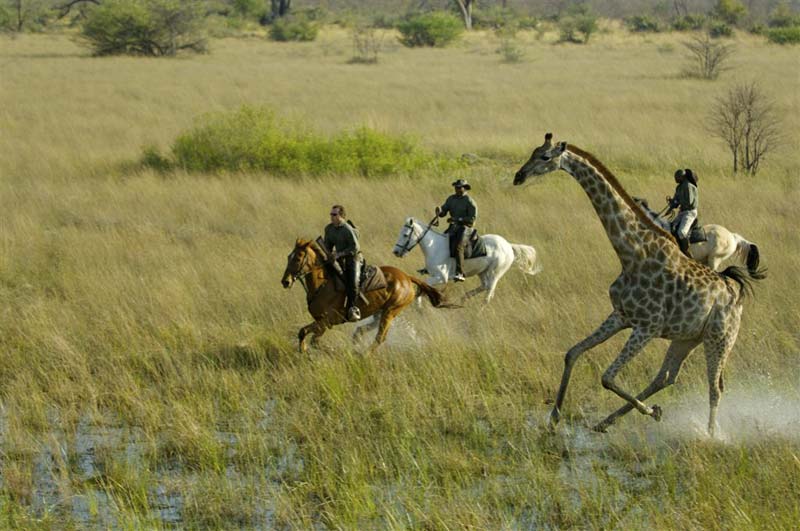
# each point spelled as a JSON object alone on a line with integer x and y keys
{"x": 334, "y": 213}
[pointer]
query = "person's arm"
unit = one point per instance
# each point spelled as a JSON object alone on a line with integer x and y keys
{"x": 444, "y": 209}
{"x": 691, "y": 197}
{"x": 472, "y": 213}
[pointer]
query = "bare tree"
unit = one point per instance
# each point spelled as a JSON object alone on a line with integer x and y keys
{"x": 747, "y": 121}
{"x": 466, "y": 11}
{"x": 280, "y": 8}
{"x": 707, "y": 57}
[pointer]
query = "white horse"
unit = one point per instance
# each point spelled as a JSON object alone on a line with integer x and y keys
{"x": 720, "y": 243}
{"x": 441, "y": 267}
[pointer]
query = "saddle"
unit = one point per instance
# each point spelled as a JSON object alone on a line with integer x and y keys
{"x": 372, "y": 278}
{"x": 696, "y": 232}
{"x": 475, "y": 247}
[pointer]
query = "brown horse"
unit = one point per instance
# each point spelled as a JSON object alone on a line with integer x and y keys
{"x": 326, "y": 304}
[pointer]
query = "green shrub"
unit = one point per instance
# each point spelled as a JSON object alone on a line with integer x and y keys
{"x": 576, "y": 28}
{"x": 298, "y": 27}
{"x": 642, "y": 24}
{"x": 730, "y": 11}
{"x": 430, "y": 29}
{"x": 255, "y": 139}
{"x": 145, "y": 27}
{"x": 495, "y": 17}
{"x": 789, "y": 35}
{"x": 689, "y": 23}
{"x": 719, "y": 29}
{"x": 783, "y": 17}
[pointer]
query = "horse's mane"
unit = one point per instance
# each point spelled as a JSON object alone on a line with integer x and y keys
{"x": 434, "y": 230}
{"x": 615, "y": 184}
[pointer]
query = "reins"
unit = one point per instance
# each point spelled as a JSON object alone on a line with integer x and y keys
{"x": 406, "y": 246}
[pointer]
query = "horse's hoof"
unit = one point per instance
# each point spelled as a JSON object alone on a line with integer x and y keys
{"x": 555, "y": 416}
{"x": 656, "y": 414}
{"x": 602, "y": 427}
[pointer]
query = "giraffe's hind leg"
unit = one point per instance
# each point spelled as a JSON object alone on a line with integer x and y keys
{"x": 676, "y": 354}
{"x": 717, "y": 350}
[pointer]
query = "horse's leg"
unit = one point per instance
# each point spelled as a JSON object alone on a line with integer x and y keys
{"x": 317, "y": 328}
{"x": 366, "y": 327}
{"x": 386, "y": 319}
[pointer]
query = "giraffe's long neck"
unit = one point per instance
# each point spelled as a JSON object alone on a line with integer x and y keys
{"x": 628, "y": 232}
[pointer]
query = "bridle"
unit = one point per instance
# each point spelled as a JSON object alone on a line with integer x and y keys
{"x": 301, "y": 274}
{"x": 408, "y": 245}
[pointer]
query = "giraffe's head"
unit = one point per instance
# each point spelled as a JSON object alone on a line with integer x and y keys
{"x": 544, "y": 159}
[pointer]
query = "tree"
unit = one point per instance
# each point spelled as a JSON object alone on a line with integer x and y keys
{"x": 280, "y": 8}
{"x": 730, "y": 11}
{"x": 19, "y": 15}
{"x": 145, "y": 27}
{"x": 707, "y": 57}
{"x": 747, "y": 121}
{"x": 465, "y": 6}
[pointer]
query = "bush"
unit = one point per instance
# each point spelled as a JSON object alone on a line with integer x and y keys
{"x": 145, "y": 27}
{"x": 577, "y": 28}
{"x": 430, "y": 29}
{"x": 494, "y": 18}
{"x": 298, "y": 27}
{"x": 783, "y": 17}
{"x": 254, "y": 139}
{"x": 784, "y": 35}
{"x": 642, "y": 24}
{"x": 730, "y": 11}
{"x": 719, "y": 29}
{"x": 689, "y": 23}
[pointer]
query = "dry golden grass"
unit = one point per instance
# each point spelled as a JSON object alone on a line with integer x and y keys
{"x": 143, "y": 313}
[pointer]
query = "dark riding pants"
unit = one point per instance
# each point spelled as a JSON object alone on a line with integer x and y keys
{"x": 457, "y": 245}
{"x": 351, "y": 266}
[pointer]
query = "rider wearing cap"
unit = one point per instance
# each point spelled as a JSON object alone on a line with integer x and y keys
{"x": 463, "y": 211}
{"x": 686, "y": 198}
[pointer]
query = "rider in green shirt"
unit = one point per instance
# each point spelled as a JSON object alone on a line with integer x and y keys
{"x": 341, "y": 239}
{"x": 463, "y": 211}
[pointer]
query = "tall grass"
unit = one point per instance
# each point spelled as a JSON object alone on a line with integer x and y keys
{"x": 149, "y": 375}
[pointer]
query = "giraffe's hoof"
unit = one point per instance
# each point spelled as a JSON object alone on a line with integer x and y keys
{"x": 656, "y": 414}
{"x": 555, "y": 416}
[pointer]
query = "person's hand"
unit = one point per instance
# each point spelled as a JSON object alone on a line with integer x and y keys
{"x": 669, "y": 199}
{"x": 438, "y": 210}
{"x": 334, "y": 255}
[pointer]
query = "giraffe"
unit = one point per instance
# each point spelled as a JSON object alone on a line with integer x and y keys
{"x": 661, "y": 293}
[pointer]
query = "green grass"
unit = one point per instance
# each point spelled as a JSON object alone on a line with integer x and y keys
{"x": 142, "y": 315}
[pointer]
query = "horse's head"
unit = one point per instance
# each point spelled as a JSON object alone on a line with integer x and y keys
{"x": 407, "y": 239}
{"x": 299, "y": 263}
{"x": 545, "y": 158}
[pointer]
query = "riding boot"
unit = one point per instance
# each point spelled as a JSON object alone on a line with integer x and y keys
{"x": 459, "y": 276}
{"x": 351, "y": 278}
{"x": 683, "y": 243}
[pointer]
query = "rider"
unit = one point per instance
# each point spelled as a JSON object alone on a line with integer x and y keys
{"x": 463, "y": 211}
{"x": 686, "y": 198}
{"x": 341, "y": 239}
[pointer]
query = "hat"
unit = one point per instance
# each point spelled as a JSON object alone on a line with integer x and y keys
{"x": 461, "y": 183}
{"x": 679, "y": 173}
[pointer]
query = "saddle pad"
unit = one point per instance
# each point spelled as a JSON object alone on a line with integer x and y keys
{"x": 698, "y": 234}
{"x": 372, "y": 278}
{"x": 476, "y": 248}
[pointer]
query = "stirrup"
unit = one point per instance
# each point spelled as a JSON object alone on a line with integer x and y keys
{"x": 353, "y": 314}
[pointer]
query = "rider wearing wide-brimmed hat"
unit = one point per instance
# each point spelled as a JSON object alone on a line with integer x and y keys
{"x": 463, "y": 212}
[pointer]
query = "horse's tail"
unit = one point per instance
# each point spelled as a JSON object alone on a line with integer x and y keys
{"x": 434, "y": 295}
{"x": 747, "y": 252}
{"x": 744, "y": 278}
{"x": 526, "y": 259}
